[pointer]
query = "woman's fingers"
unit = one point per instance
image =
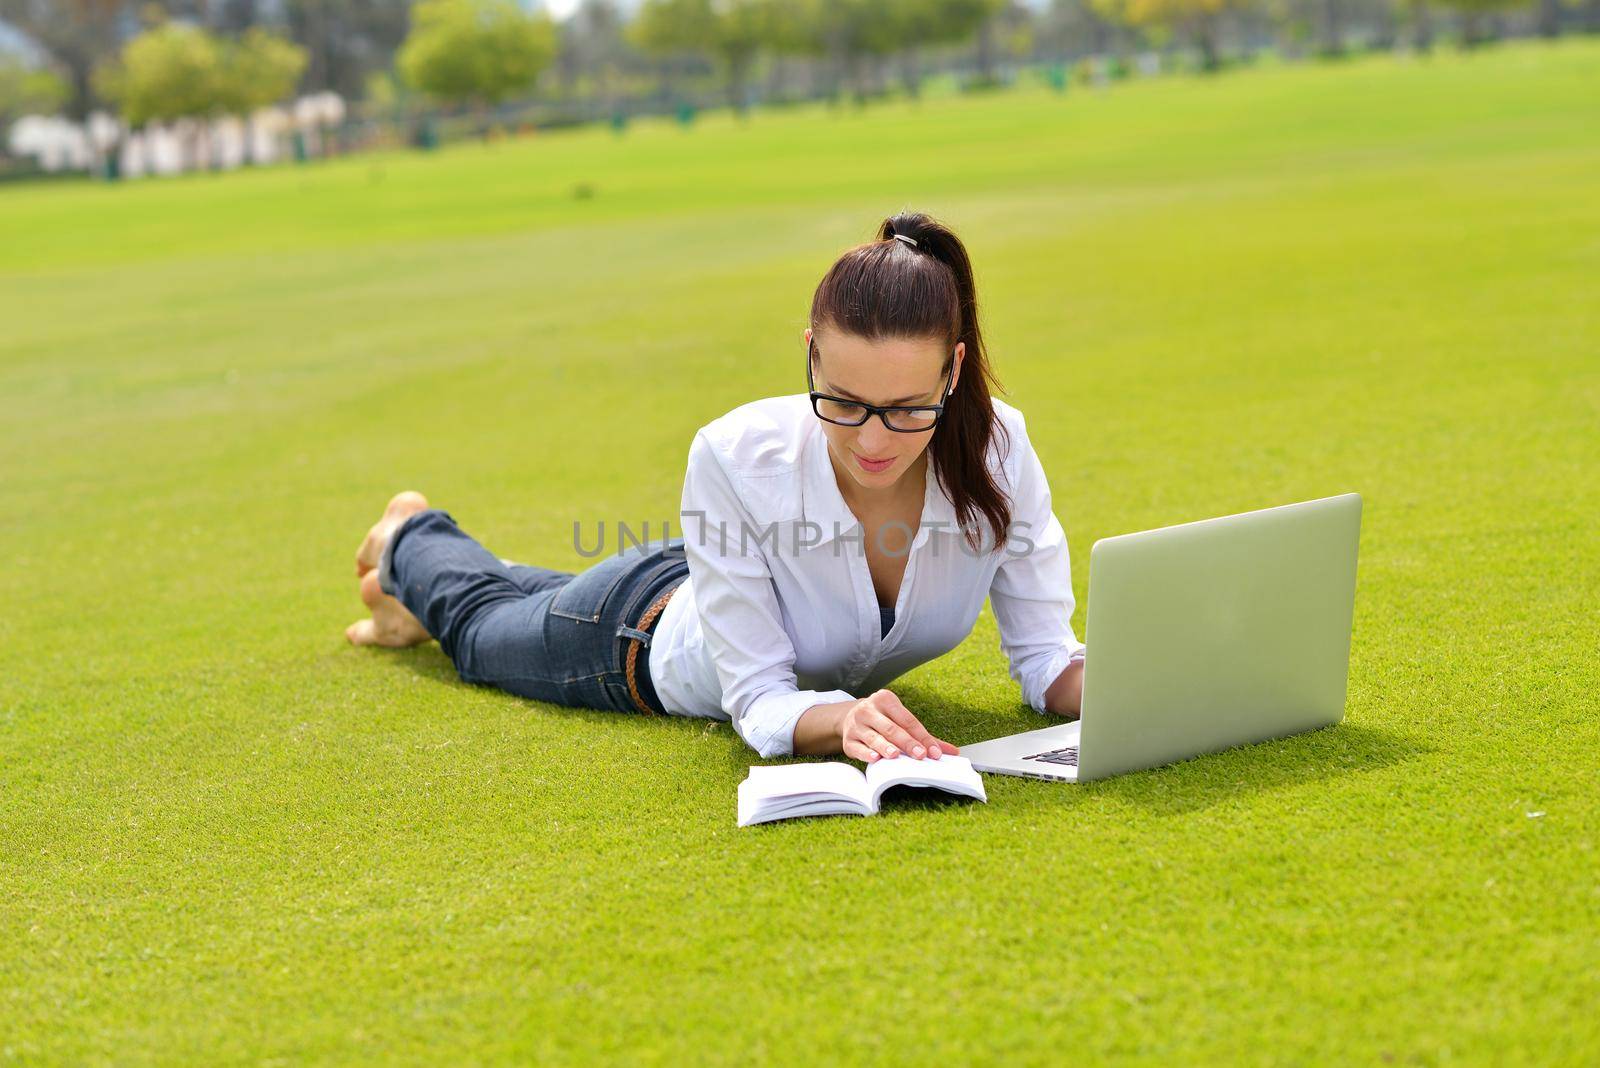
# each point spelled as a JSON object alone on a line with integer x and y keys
{"x": 882, "y": 727}
{"x": 908, "y": 723}
{"x": 901, "y": 716}
{"x": 878, "y": 743}
{"x": 858, "y": 751}
{"x": 867, "y": 744}
{"x": 897, "y": 734}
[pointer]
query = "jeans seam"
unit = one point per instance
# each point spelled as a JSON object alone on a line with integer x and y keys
{"x": 499, "y": 681}
{"x": 586, "y": 678}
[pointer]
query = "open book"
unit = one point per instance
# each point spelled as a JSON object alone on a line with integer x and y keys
{"x": 830, "y": 788}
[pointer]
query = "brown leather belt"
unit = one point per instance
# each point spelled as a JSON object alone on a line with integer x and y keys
{"x": 631, "y": 669}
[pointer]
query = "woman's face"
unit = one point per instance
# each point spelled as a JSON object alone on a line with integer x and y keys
{"x": 890, "y": 372}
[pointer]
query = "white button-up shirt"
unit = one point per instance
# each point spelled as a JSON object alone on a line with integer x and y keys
{"x": 779, "y": 612}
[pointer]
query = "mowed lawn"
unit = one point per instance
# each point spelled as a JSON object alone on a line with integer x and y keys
{"x": 226, "y": 835}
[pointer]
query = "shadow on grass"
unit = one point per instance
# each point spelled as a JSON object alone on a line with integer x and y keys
{"x": 426, "y": 661}
{"x": 1262, "y": 768}
{"x": 963, "y": 723}
{"x": 1189, "y": 785}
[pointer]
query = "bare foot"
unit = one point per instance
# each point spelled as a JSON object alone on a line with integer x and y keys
{"x": 401, "y": 505}
{"x": 392, "y": 623}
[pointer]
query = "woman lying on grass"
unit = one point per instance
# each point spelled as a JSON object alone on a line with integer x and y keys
{"x": 831, "y": 542}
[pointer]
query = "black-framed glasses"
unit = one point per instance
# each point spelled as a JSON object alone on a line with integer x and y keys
{"x": 901, "y": 418}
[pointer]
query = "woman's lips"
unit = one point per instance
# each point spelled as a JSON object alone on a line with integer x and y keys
{"x": 873, "y": 465}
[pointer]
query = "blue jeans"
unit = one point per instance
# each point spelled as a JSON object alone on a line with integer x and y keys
{"x": 555, "y": 636}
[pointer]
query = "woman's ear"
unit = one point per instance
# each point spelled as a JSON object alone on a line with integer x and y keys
{"x": 955, "y": 374}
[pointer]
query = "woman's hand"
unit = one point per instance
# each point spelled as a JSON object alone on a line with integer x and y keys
{"x": 880, "y": 726}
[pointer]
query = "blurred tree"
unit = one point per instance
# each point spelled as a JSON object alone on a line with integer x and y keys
{"x": 1550, "y": 18}
{"x": 79, "y": 34}
{"x": 984, "y": 55}
{"x": 345, "y": 40}
{"x": 171, "y": 71}
{"x": 1319, "y": 25}
{"x": 593, "y": 45}
{"x": 920, "y": 24}
{"x": 742, "y": 28}
{"x": 257, "y": 70}
{"x": 794, "y": 31}
{"x": 1199, "y": 20}
{"x": 1331, "y": 25}
{"x": 1292, "y": 22}
{"x": 1021, "y": 34}
{"x": 1073, "y": 28}
{"x": 856, "y": 33}
{"x": 1476, "y": 25}
{"x": 1323, "y": 27}
{"x": 1417, "y": 16}
{"x": 1013, "y": 31}
{"x": 28, "y": 90}
{"x": 475, "y": 52}
{"x": 669, "y": 31}
{"x": 383, "y": 92}
{"x": 731, "y": 31}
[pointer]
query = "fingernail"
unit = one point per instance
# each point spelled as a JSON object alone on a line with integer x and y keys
{"x": 917, "y": 751}
{"x": 894, "y": 752}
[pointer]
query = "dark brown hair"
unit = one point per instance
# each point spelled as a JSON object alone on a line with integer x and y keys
{"x": 887, "y": 289}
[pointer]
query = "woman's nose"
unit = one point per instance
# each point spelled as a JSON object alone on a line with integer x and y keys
{"x": 875, "y": 439}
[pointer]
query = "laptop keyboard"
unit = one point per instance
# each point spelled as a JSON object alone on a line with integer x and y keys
{"x": 1067, "y": 756}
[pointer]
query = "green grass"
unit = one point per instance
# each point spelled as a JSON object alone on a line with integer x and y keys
{"x": 227, "y": 835}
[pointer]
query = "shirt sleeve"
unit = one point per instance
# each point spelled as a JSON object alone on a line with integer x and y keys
{"x": 1032, "y": 591}
{"x": 739, "y": 613}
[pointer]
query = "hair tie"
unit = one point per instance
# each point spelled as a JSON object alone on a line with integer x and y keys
{"x": 908, "y": 240}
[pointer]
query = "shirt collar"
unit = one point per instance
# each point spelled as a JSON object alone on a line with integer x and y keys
{"x": 823, "y": 504}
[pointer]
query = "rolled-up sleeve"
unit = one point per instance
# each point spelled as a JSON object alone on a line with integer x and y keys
{"x": 739, "y": 612}
{"x": 1032, "y": 591}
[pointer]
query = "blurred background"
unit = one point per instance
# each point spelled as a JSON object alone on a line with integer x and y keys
{"x": 127, "y": 88}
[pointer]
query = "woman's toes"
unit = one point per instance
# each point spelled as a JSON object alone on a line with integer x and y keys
{"x": 368, "y": 554}
{"x": 401, "y": 505}
{"x": 404, "y": 503}
{"x": 392, "y": 623}
{"x": 371, "y": 550}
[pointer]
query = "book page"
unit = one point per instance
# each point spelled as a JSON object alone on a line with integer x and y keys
{"x": 820, "y": 777}
{"x": 953, "y": 774}
{"x": 784, "y": 790}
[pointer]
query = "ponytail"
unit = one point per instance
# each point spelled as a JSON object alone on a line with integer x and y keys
{"x": 915, "y": 281}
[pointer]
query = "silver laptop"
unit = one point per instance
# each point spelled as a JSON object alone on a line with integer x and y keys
{"x": 1201, "y": 637}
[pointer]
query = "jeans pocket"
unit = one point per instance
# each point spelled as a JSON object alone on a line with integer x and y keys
{"x": 584, "y": 598}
